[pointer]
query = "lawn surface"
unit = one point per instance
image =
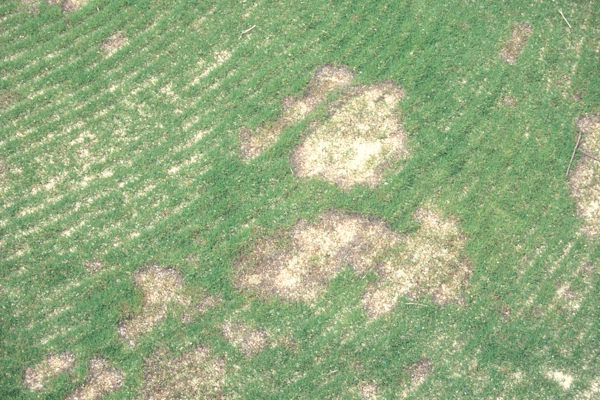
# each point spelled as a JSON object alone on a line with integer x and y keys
{"x": 121, "y": 168}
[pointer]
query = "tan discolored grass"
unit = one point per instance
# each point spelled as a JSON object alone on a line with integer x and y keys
{"x": 299, "y": 263}
{"x": 94, "y": 266}
{"x": 368, "y": 391}
{"x": 419, "y": 371}
{"x": 516, "y": 43}
{"x": 508, "y": 101}
{"x": 563, "y": 379}
{"x": 193, "y": 375}
{"x": 585, "y": 179}
{"x": 102, "y": 379}
{"x": 359, "y": 140}
{"x": 427, "y": 262}
{"x": 160, "y": 287}
{"x": 326, "y": 80}
{"x": 113, "y": 43}
{"x": 241, "y": 335}
{"x": 72, "y": 5}
{"x": 37, "y": 377}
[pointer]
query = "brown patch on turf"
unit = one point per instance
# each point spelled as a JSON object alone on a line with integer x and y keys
{"x": 368, "y": 391}
{"x": 516, "y": 43}
{"x": 419, "y": 371}
{"x": 72, "y": 5}
{"x": 103, "y": 379}
{"x": 94, "y": 266}
{"x": 36, "y": 377}
{"x": 326, "y": 80}
{"x": 585, "y": 179}
{"x": 428, "y": 262}
{"x": 193, "y": 375}
{"x": 160, "y": 287}
{"x": 299, "y": 263}
{"x": 509, "y": 101}
{"x": 358, "y": 141}
{"x": 242, "y": 336}
{"x": 113, "y": 43}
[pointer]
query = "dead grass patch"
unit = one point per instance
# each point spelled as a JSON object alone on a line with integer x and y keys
{"x": 509, "y": 101}
{"x": 368, "y": 391}
{"x": 299, "y": 263}
{"x": 113, "y": 43}
{"x": 102, "y": 379}
{"x": 160, "y": 287}
{"x": 37, "y": 377}
{"x": 563, "y": 379}
{"x": 358, "y": 141}
{"x": 419, "y": 371}
{"x": 516, "y": 43}
{"x": 585, "y": 179}
{"x": 428, "y": 262}
{"x": 193, "y": 375}
{"x": 72, "y": 5}
{"x": 326, "y": 80}
{"x": 94, "y": 266}
{"x": 241, "y": 335}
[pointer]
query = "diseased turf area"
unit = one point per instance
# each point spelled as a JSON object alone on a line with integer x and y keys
{"x": 301, "y": 199}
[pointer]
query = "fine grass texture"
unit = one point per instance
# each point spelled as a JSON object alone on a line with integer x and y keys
{"x": 308, "y": 200}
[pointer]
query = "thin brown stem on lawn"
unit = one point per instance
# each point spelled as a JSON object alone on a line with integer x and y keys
{"x": 590, "y": 155}
{"x": 574, "y": 151}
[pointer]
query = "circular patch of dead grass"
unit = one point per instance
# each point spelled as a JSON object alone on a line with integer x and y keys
{"x": 358, "y": 141}
{"x": 585, "y": 179}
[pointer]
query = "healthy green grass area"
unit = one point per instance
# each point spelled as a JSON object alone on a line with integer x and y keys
{"x": 134, "y": 159}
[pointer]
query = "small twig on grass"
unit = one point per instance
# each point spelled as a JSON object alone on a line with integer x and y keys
{"x": 563, "y": 17}
{"x": 574, "y": 151}
{"x": 590, "y": 155}
{"x": 246, "y": 31}
{"x": 415, "y": 304}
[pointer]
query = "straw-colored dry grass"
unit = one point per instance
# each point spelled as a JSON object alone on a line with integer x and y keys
{"x": 585, "y": 178}
{"x": 36, "y": 377}
{"x": 358, "y": 142}
{"x": 160, "y": 287}
{"x": 299, "y": 263}
{"x": 102, "y": 379}
{"x": 196, "y": 374}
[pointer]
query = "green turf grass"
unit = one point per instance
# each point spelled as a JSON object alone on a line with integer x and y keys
{"x": 88, "y": 142}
